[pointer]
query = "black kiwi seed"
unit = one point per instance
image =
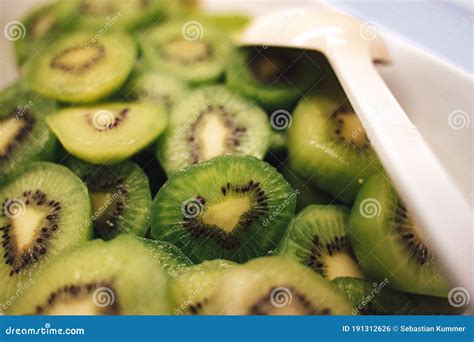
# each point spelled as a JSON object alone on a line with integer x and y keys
{"x": 226, "y": 240}
{"x": 264, "y": 305}
{"x": 340, "y": 115}
{"x": 21, "y": 259}
{"x": 406, "y": 230}
{"x": 233, "y": 140}
{"x": 319, "y": 250}
{"x": 77, "y": 292}
{"x": 57, "y": 62}
{"x": 19, "y": 113}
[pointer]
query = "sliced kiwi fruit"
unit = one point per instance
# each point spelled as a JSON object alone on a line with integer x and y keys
{"x": 429, "y": 305}
{"x": 211, "y": 122}
{"x": 155, "y": 86}
{"x": 44, "y": 209}
{"x": 119, "y": 277}
{"x": 317, "y": 237}
{"x": 114, "y": 15}
{"x": 273, "y": 77}
{"x": 192, "y": 286}
{"x": 231, "y": 207}
{"x": 275, "y": 286}
{"x": 389, "y": 244}
{"x": 327, "y": 143}
{"x": 39, "y": 28}
{"x": 82, "y": 67}
{"x": 120, "y": 197}
{"x": 374, "y": 298}
{"x": 191, "y": 52}
{"x": 108, "y": 133}
{"x": 24, "y": 135}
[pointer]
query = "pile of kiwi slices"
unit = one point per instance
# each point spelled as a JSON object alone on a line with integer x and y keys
{"x": 149, "y": 166}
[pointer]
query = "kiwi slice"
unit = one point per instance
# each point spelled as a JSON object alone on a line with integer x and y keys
{"x": 317, "y": 237}
{"x": 191, "y": 52}
{"x": 192, "y": 286}
{"x": 211, "y": 122}
{"x": 119, "y": 277}
{"x": 24, "y": 135}
{"x": 275, "y": 286}
{"x": 40, "y": 26}
{"x": 82, "y": 67}
{"x": 120, "y": 197}
{"x": 429, "y": 305}
{"x": 273, "y": 77}
{"x": 44, "y": 209}
{"x": 372, "y": 298}
{"x": 389, "y": 244}
{"x": 108, "y": 133}
{"x": 327, "y": 143}
{"x": 113, "y": 14}
{"x": 231, "y": 207}
{"x": 155, "y": 86}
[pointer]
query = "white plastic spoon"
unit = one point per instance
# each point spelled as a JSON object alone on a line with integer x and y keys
{"x": 422, "y": 183}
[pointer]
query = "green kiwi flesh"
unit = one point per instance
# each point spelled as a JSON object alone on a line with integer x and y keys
{"x": 44, "y": 209}
{"x": 119, "y": 277}
{"x": 327, "y": 143}
{"x": 120, "y": 197}
{"x": 192, "y": 286}
{"x": 388, "y": 243}
{"x": 24, "y": 135}
{"x": 275, "y": 286}
{"x": 374, "y": 298}
{"x": 231, "y": 207}
{"x": 108, "y": 133}
{"x": 79, "y": 67}
{"x": 189, "y": 51}
{"x": 317, "y": 237}
{"x": 273, "y": 77}
{"x": 211, "y": 122}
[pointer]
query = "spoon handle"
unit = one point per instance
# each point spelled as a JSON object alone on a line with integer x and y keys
{"x": 422, "y": 183}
